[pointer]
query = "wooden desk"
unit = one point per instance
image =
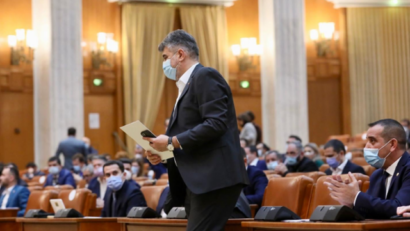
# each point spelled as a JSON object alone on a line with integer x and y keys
{"x": 8, "y": 212}
{"x": 69, "y": 224}
{"x": 136, "y": 224}
{"x": 364, "y": 225}
{"x": 9, "y": 223}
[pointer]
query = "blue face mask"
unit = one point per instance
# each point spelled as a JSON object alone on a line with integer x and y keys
{"x": 77, "y": 168}
{"x": 169, "y": 71}
{"x": 332, "y": 162}
{"x": 371, "y": 155}
{"x": 291, "y": 160}
{"x": 54, "y": 170}
{"x": 134, "y": 170}
{"x": 115, "y": 183}
{"x": 272, "y": 165}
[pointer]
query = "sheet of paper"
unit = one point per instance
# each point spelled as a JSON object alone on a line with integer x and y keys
{"x": 94, "y": 120}
{"x": 134, "y": 130}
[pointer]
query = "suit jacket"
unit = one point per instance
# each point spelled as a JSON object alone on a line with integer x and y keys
{"x": 127, "y": 197}
{"x": 349, "y": 167}
{"x": 261, "y": 165}
{"x": 257, "y": 184}
{"x": 18, "y": 198}
{"x": 94, "y": 186}
{"x": 242, "y": 205}
{"x": 162, "y": 199}
{"x": 69, "y": 147}
{"x": 204, "y": 122}
{"x": 64, "y": 177}
{"x": 371, "y": 206}
{"x": 305, "y": 165}
{"x": 158, "y": 169}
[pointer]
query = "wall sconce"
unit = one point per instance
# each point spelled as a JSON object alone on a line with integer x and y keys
{"x": 102, "y": 52}
{"x": 245, "y": 53}
{"x": 18, "y": 44}
{"x": 323, "y": 38}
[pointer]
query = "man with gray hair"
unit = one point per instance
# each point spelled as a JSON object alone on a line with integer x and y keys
{"x": 207, "y": 172}
{"x": 296, "y": 161}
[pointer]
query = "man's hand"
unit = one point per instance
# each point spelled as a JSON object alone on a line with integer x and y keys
{"x": 160, "y": 143}
{"x": 154, "y": 159}
{"x": 344, "y": 192}
{"x": 402, "y": 211}
{"x": 281, "y": 169}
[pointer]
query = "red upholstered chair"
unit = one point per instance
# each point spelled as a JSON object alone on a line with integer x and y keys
{"x": 152, "y": 195}
{"x": 314, "y": 175}
{"x": 76, "y": 199}
{"x": 41, "y": 200}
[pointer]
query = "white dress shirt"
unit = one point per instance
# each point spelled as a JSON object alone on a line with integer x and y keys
{"x": 391, "y": 169}
{"x": 339, "y": 169}
{"x": 103, "y": 187}
{"x": 181, "y": 83}
{"x": 254, "y": 162}
{"x": 6, "y": 194}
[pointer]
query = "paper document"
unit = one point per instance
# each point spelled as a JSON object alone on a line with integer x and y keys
{"x": 134, "y": 130}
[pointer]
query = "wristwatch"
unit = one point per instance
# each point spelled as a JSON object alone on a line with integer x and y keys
{"x": 170, "y": 146}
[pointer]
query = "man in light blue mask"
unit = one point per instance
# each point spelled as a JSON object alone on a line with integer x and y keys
{"x": 58, "y": 175}
{"x": 389, "y": 184}
{"x": 295, "y": 160}
{"x": 122, "y": 195}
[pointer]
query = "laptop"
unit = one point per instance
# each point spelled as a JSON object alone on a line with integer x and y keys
{"x": 57, "y": 204}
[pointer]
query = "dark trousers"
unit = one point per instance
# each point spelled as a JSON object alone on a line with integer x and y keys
{"x": 210, "y": 211}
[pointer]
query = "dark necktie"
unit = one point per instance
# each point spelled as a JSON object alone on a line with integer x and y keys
{"x": 113, "y": 205}
{"x": 382, "y": 192}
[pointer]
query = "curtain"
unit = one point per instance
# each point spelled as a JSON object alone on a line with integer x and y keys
{"x": 144, "y": 26}
{"x": 208, "y": 25}
{"x": 379, "y": 60}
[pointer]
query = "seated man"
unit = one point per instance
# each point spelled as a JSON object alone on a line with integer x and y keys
{"x": 98, "y": 184}
{"x": 253, "y": 160}
{"x": 272, "y": 159}
{"x": 32, "y": 171}
{"x": 295, "y": 161}
{"x": 127, "y": 167}
{"x": 389, "y": 184}
{"x": 57, "y": 174}
{"x": 78, "y": 166}
{"x": 257, "y": 183}
{"x": 122, "y": 195}
{"x": 88, "y": 174}
{"x": 263, "y": 149}
{"x": 20, "y": 181}
{"x": 13, "y": 194}
{"x": 335, "y": 157}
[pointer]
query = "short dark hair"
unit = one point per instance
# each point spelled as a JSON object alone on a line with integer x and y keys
{"x": 14, "y": 172}
{"x": 337, "y": 145}
{"x": 253, "y": 149}
{"x": 251, "y": 115}
{"x": 72, "y": 131}
{"x": 54, "y": 158}
{"x": 31, "y": 165}
{"x": 98, "y": 157}
{"x": 296, "y": 138}
{"x": 125, "y": 161}
{"x": 246, "y": 142}
{"x": 244, "y": 117}
{"x": 407, "y": 121}
{"x": 266, "y": 147}
{"x": 392, "y": 129}
{"x": 13, "y": 165}
{"x": 114, "y": 162}
{"x": 181, "y": 38}
{"x": 80, "y": 157}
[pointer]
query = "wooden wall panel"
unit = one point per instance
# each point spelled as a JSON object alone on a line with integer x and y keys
{"x": 16, "y": 128}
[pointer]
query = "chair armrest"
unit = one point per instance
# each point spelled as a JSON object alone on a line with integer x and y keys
{"x": 254, "y": 207}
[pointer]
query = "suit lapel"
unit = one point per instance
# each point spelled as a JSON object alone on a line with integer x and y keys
{"x": 346, "y": 168}
{"x": 11, "y": 197}
{"x": 175, "y": 111}
{"x": 398, "y": 172}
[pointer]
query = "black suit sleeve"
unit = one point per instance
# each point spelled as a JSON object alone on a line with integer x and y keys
{"x": 310, "y": 167}
{"x": 211, "y": 92}
{"x": 136, "y": 199}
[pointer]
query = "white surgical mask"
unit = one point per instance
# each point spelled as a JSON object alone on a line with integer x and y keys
{"x": 259, "y": 152}
{"x": 272, "y": 165}
{"x": 128, "y": 175}
{"x": 169, "y": 71}
{"x": 371, "y": 155}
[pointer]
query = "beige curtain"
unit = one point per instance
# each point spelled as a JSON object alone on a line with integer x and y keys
{"x": 379, "y": 60}
{"x": 208, "y": 25}
{"x": 144, "y": 26}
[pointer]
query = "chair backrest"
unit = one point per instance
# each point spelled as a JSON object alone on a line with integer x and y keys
{"x": 356, "y": 154}
{"x": 41, "y": 200}
{"x": 324, "y": 167}
{"x": 164, "y": 176}
{"x": 343, "y": 138}
{"x": 59, "y": 188}
{"x": 75, "y": 199}
{"x": 152, "y": 195}
{"x": 35, "y": 188}
{"x": 162, "y": 182}
{"x": 291, "y": 192}
{"x": 321, "y": 195}
{"x": 91, "y": 203}
{"x": 273, "y": 176}
{"x": 269, "y": 172}
{"x": 359, "y": 161}
{"x": 141, "y": 178}
{"x": 314, "y": 175}
{"x": 81, "y": 184}
{"x": 368, "y": 169}
{"x": 365, "y": 186}
{"x": 39, "y": 179}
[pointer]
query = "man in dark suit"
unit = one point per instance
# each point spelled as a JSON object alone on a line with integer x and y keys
{"x": 295, "y": 160}
{"x": 69, "y": 147}
{"x": 335, "y": 157}
{"x": 13, "y": 195}
{"x": 98, "y": 184}
{"x": 253, "y": 160}
{"x": 122, "y": 195}
{"x": 389, "y": 184}
{"x": 57, "y": 174}
{"x": 207, "y": 172}
{"x": 257, "y": 184}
